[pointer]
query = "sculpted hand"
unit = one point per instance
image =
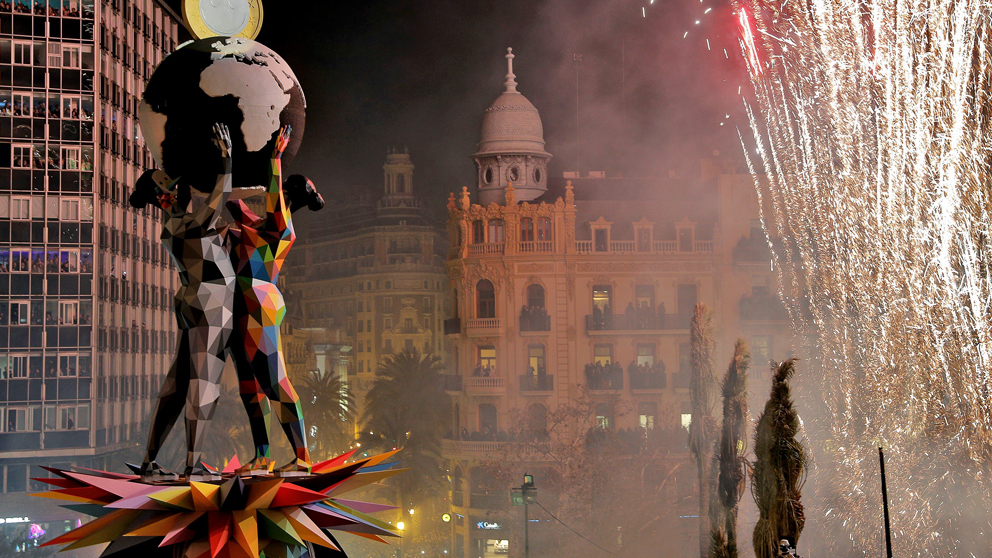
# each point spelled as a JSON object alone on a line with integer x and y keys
{"x": 282, "y": 142}
{"x": 222, "y": 139}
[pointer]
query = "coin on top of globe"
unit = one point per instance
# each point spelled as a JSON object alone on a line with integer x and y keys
{"x": 223, "y": 18}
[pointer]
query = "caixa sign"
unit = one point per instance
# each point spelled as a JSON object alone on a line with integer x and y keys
{"x": 489, "y": 526}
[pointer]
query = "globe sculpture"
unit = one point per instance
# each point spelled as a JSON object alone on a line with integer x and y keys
{"x": 231, "y": 80}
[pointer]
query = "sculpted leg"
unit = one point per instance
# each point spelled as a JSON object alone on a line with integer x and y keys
{"x": 255, "y": 402}
{"x": 286, "y": 405}
{"x": 171, "y": 400}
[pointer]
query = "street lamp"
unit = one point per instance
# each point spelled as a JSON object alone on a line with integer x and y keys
{"x": 411, "y": 511}
{"x": 400, "y": 525}
{"x": 526, "y": 494}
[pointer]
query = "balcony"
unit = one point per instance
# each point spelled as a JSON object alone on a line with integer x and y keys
{"x": 464, "y": 449}
{"x": 535, "y": 320}
{"x": 452, "y": 383}
{"x": 537, "y": 246}
{"x": 631, "y": 247}
{"x": 632, "y": 323}
{"x": 452, "y": 326}
{"x": 648, "y": 381}
{"x": 483, "y": 327}
{"x": 484, "y": 385}
{"x": 485, "y": 249}
{"x": 604, "y": 378}
{"x": 762, "y": 307}
{"x": 531, "y": 383}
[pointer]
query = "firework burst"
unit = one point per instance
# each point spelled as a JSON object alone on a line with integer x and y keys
{"x": 872, "y": 124}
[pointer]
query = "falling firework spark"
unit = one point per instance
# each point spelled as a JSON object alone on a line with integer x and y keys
{"x": 873, "y": 132}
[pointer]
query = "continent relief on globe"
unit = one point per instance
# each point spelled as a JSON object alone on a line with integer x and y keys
{"x": 237, "y": 81}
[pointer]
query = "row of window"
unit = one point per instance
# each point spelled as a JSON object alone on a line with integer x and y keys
{"x": 53, "y": 312}
{"x": 56, "y": 417}
{"x": 41, "y": 54}
{"x": 53, "y": 157}
{"x": 602, "y": 300}
{"x": 14, "y": 366}
{"x": 24, "y": 104}
{"x": 33, "y": 260}
{"x": 491, "y": 231}
{"x": 52, "y": 8}
{"x": 25, "y": 208}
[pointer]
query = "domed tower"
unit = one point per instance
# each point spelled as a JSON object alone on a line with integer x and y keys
{"x": 511, "y": 147}
{"x": 398, "y": 174}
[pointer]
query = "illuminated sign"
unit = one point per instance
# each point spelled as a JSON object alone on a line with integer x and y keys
{"x": 489, "y": 526}
{"x": 9, "y": 520}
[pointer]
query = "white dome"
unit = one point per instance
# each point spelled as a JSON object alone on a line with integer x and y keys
{"x": 512, "y": 125}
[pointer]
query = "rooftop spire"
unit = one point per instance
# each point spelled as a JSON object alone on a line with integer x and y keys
{"x": 511, "y": 82}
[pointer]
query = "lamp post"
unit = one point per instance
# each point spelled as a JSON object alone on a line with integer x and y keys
{"x": 526, "y": 494}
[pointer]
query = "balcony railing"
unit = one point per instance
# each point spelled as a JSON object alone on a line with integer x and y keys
{"x": 452, "y": 326}
{"x": 486, "y": 248}
{"x": 535, "y": 322}
{"x": 537, "y": 382}
{"x": 648, "y": 380}
{"x": 609, "y": 377}
{"x": 485, "y": 385}
{"x": 483, "y": 326}
{"x": 631, "y": 247}
{"x": 537, "y": 246}
{"x": 633, "y": 322}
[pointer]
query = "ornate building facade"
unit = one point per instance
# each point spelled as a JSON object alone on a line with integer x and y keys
{"x": 371, "y": 274}
{"x": 585, "y": 289}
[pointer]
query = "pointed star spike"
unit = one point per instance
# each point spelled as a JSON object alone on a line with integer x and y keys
{"x": 118, "y": 487}
{"x": 370, "y": 537}
{"x": 339, "y": 460}
{"x": 87, "y": 495}
{"x": 158, "y": 526}
{"x": 245, "y": 531}
{"x": 377, "y": 459}
{"x": 91, "y": 527}
{"x": 233, "y": 494}
{"x": 364, "y": 507}
{"x": 205, "y": 496}
{"x": 292, "y": 495}
{"x": 274, "y": 525}
{"x": 306, "y": 528}
{"x": 261, "y": 494}
{"x": 359, "y": 480}
{"x": 219, "y": 527}
{"x": 141, "y": 502}
{"x": 59, "y": 482}
{"x": 198, "y": 549}
{"x": 179, "y": 498}
{"x": 106, "y": 474}
{"x": 233, "y": 465}
{"x": 326, "y": 518}
{"x": 113, "y": 530}
{"x": 181, "y": 530}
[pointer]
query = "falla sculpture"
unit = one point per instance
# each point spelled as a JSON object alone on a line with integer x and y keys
{"x": 228, "y": 305}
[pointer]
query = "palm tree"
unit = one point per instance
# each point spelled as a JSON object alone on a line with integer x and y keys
{"x": 730, "y": 452}
{"x": 407, "y": 408}
{"x": 329, "y": 410}
{"x": 702, "y": 426}
{"x": 780, "y": 467}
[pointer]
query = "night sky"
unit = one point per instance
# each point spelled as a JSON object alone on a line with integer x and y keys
{"x": 419, "y": 74}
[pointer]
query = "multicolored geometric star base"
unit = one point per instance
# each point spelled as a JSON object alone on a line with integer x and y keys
{"x": 235, "y": 517}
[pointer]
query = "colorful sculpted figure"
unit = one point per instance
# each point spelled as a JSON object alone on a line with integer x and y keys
{"x": 203, "y": 307}
{"x": 259, "y": 246}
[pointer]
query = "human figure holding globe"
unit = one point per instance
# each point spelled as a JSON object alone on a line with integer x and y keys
{"x": 202, "y": 304}
{"x": 259, "y": 246}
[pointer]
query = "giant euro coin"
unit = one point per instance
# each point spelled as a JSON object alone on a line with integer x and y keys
{"x": 237, "y": 81}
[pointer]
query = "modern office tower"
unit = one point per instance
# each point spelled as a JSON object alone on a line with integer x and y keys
{"x": 86, "y": 323}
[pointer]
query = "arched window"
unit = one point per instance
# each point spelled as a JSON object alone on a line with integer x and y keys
{"x": 544, "y": 228}
{"x": 496, "y": 230}
{"x": 535, "y": 296}
{"x": 400, "y": 184}
{"x": 478, "y": 232}
{"x": 485, "y": 295}
{"x": 537, "y": 421}
{"x": 487, "y": 420}
{"x": 526, "y": 229}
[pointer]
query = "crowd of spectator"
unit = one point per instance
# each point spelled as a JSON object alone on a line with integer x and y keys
{"x": 481, "y": 371}
{"x": 647, "y": 376}
{"x": 604, "y": 376}
{"x": 41, "y": 7}
{"x": 534, "y": 318}
{"x": 643, "y": 316}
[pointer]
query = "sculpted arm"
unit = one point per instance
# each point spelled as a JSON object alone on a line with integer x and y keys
{"x": 210, "y": 211}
